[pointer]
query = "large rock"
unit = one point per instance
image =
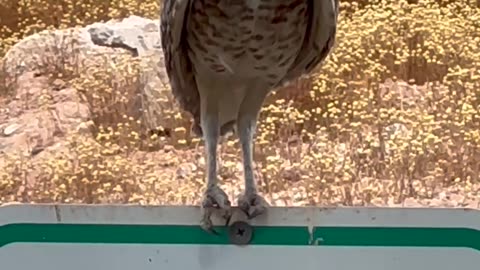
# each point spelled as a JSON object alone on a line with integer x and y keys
{"x": 39, "y": 115}
{"x": 43, "y": 111}
{"x": 141, "y": 37}
{"x": 101, "y": 44}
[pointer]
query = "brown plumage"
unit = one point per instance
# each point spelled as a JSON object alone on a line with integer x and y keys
{"x": 223, "y": 57}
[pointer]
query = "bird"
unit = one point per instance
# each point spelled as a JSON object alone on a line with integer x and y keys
{"x": 223, "y": 58}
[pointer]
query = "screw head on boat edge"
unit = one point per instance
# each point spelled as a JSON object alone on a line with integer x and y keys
{"x": 240, "y": 233}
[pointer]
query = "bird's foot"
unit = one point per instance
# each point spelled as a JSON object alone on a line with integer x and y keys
{"x": 252, "y": 204}
{"x": 214, "y": 199}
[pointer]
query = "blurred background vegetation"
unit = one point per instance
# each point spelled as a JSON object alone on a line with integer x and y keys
{"x": 394, "y": 112}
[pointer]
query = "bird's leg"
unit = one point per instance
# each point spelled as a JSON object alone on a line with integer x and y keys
{"x": 250, "y": 202}
{"x": 214, "y": 197}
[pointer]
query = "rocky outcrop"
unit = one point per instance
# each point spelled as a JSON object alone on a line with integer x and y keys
{"x": 43, "y": 110}
{"x": 39, "y": 115}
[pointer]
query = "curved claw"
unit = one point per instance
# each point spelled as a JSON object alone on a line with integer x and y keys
{"x": 206, "y": 225}
{"x": 227, "y": 217}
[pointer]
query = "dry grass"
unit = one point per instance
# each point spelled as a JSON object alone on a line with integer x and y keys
{"x": 393, "y": 113}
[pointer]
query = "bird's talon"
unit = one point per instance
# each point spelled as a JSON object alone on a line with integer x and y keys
{"x": 252, "y": 204}
{"x": 215, "y": 199}
{"x": 227, "y": 218}
{"x": 214, "y": 232}
{"x": 256, "y": 212}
